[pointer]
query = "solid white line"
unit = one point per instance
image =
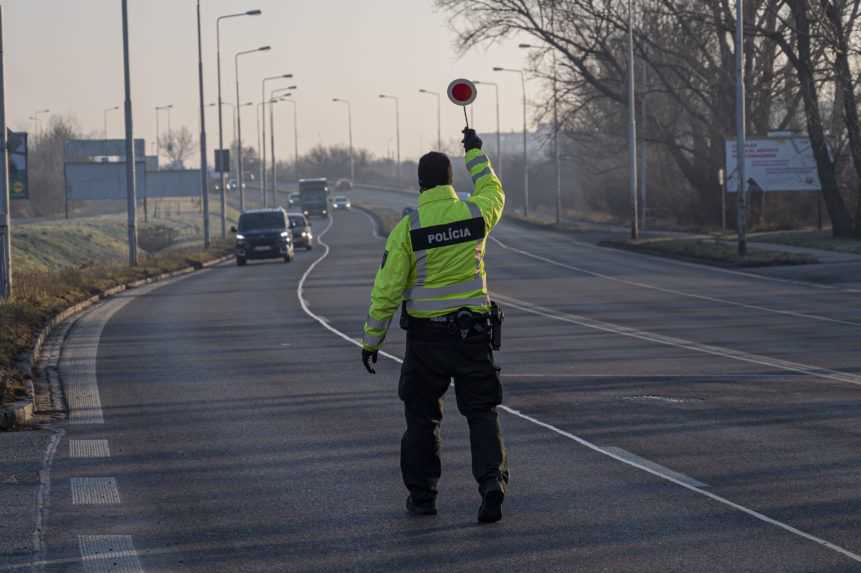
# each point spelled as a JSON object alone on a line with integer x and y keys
{"x": 583, "y": 442}
{"x": 658, "y": 468}
{"x": 648, "y": 286}
{"x": 729, "y": 353}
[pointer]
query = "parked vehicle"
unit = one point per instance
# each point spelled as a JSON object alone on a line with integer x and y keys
{"x": 301, "y": 228}
{"x": 314, "y": 196}
{"x": 263, "y": 234}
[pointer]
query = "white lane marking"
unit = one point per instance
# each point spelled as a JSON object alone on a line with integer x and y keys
{"x": 43, "y": 501}
{"x": 109, "y": 554}
{"x": 682, "y": 343}
{"x": 656, "y": 288}
{"x": 89, "y": 449}
{"x": 95, "y": 491}
{"x": 714, "y": 497}
{"x": 658, "y": 469}
{"x": 583, "y": 442}
{"x": 676, "y": 262}
{"x": 374, "y": 230}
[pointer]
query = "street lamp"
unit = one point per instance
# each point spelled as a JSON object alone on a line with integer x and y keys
{"x": 349, "y": 134}
{"x": 295, "y": 135}
{"x": 397, "y": 132}
{"x": 220, "y": 127}
{"x": 438, "y": 117}
{"x": 556, "y": 160}
{"x": 239, "y": 124}
{"x": 108, "y": 110}
{"x": 159, "y": 108}
{"x": 35, "y": 118}
{"x": 263, "y": 117}
{"x": 272, "y": 102}
{"x": 525, "y": 155}
{"x": 498, "y": 133}
{"x": 204, "y": 167}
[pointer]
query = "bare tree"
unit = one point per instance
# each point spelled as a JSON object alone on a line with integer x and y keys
{"x": 179, "y": 145}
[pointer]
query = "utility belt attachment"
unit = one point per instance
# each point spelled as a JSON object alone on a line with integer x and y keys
{"x": 463, "y": 322}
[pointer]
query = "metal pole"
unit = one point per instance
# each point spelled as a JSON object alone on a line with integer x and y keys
{"x": 644, "y": 160}
{"x": 556, "y": 155}
{"x": 157, "y": 138}
{"x": 272, "y": 152}
{"x": 204, "y": 164}
{"x": 740, "y": 130}
{"x": 223, "y": 176}
{"x": 262, "y": 181}
{"x": 239, "y": 180}
{"x": 525, "y": 154}
{"x": 438, "y": 122}
{"x": 632, "y": 127}
{"x": 398, "y": 132}
{"x": 261, "y": 143}
{"x": 5, "y": 207}
{"x": 130, "y": 147}
{"x": 350, "y": 133}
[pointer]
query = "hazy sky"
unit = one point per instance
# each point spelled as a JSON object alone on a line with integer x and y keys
{"x": 66, "y": 55}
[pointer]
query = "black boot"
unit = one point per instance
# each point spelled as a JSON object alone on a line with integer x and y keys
{"x": 423, "y": 508}
{"x": 491, "y": 506}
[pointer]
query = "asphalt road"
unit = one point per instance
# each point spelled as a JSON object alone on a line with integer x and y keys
{"x": 660, "y": 417}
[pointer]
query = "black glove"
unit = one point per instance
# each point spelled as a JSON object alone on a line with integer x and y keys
{"x": 471, "y": 140}
{"x": 367, "y": 357}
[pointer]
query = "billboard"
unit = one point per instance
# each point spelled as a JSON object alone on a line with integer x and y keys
{"x": 173, "y": 183}
{"x": 79, "y": 149}
{"x": 19, "y": 187}
{"x": 774, "y": 164}
{"x": 89, "y": 181}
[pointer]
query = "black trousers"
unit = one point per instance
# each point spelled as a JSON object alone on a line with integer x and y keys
{"x": 435, "y": 356}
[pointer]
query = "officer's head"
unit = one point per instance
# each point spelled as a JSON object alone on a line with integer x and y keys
{"x": 434, "y": 170}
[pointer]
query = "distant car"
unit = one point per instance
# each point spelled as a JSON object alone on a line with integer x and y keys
{"x": 294, "y": 199}
{"x": 301, "y": 228}
{"x": 341, "y": 202}
{"x": 407, "y": 211}
{"x": 344, "y": 185}
{"x": 263, "y": 234}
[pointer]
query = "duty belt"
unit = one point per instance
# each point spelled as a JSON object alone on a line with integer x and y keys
{"x": 463, "y": 322}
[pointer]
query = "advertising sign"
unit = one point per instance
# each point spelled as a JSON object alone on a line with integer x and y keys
{"x": 774, "y": 164}
{"x": 19, "y": 187}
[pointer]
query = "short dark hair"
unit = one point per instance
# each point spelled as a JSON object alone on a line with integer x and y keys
{"x": 434, "y": 170}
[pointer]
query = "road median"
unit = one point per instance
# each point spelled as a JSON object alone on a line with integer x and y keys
{"x": 711, "y": 252}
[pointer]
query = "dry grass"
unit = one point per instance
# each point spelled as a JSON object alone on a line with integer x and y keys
{"x": 40, "y": 295}
{"x": 712, "y": 252}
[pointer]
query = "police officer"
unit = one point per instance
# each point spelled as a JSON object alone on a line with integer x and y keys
{"x": 433, "y": 267}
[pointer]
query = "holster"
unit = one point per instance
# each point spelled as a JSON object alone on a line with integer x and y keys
{"x": 497, "y": 317}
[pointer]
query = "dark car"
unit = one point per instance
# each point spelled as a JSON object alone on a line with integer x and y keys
{"x": 301, "y": 227}
{"x": 263, "y": 234}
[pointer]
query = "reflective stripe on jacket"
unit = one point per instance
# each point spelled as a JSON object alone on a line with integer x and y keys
{"x": 434, "y": 258}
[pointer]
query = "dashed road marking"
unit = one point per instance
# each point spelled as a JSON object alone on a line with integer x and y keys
{"x": 89, "y": 449}
{"x": 95, "y": 491}
{"x": 109, "y": 554}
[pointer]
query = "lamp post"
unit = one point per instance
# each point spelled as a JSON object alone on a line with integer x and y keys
{"x": 106, "y": 112}
{"x": 397, "y": 132}
{"x": 131, "y": 200}
{"x": 204, "y": 167}
{"x": 220, "y": 125}
{"x": 295, "y": 135}
{"x": 349, "y": 134}
{"x": 287, "y": 93}
{"x": 525, "y": 154}
{"x": 438, "y": 117}
{"x": 632, "y": 127}
{"x": 498, "y": 132}
{"x": 5, "y": 208}
{"x": 36, "y": 120}
{"x": 240, "y": 181}
{"x": 263, "y": 120}
{"x": 158, "y": 109}
{"x": 740, "y": 132}
{"x": 556, "y": 156}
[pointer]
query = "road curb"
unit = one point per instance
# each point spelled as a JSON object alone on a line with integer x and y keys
{"x": 21, "y": 412}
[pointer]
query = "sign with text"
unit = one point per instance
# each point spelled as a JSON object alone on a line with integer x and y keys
{"x": 19, "y": 187}
{"x": 774, "y": 164}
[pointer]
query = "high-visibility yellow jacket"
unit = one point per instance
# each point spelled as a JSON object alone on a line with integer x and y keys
{"x": 434, "y": 258}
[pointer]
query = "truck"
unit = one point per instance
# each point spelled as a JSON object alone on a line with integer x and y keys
{"x": 314, "y": 196}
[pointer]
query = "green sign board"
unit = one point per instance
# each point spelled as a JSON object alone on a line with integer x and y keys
{"x": 19, "y": 187}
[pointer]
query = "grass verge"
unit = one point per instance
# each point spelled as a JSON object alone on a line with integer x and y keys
{"x": 386, "y": 217}
{"x": 711, "y": 252}
{"x": 40, "y": 295}
{"x": 812, "y": 240}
